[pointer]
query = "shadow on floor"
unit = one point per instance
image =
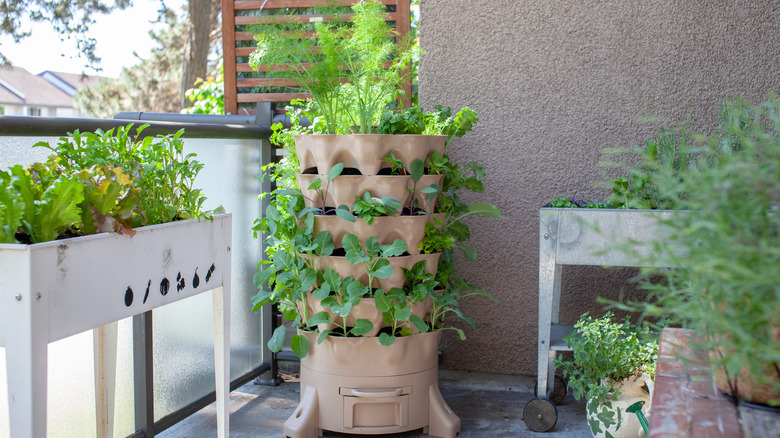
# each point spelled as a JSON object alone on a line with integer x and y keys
{"x": 489, "y": 406}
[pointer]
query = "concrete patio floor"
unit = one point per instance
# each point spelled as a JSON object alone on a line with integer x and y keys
{"x": 489, "y": 406}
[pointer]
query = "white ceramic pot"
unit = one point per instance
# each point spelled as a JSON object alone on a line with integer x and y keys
{"x": 622, "y": 424}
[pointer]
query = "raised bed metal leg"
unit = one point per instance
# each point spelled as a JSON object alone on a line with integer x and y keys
{"x": 104, "y": 345}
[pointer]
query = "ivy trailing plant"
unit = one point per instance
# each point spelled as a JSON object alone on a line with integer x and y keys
{"x": 94, "y": 183}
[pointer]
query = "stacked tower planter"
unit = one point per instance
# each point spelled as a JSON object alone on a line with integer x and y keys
{"x": 355, "y": 384}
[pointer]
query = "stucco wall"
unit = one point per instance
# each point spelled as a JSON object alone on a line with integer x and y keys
{"x": 555, "y": 82}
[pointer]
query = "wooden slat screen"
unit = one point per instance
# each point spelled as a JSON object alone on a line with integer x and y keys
{"x": 238, "y": 43}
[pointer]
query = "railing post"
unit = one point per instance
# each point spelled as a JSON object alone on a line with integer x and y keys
{"x": 143, "y": 373}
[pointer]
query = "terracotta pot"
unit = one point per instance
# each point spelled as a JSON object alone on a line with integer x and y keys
{"x": 632, "y": 390}
{"x": 366, "y": 309}
{"x": 744, "y": 387}
{"x": 344, "y": 189}
{"x": 410, "y": 229}
{"x": 396, "y": 279}
{"x": 364, "y": 152}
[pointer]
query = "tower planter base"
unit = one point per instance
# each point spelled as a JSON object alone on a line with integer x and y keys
{"x": 358, "y": 386}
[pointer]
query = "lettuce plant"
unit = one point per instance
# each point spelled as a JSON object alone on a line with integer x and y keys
{"x": 93, "y": 183}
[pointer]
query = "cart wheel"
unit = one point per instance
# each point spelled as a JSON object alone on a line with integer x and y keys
{"x": 558, "y": 392}
{"x": 540, "y": 415}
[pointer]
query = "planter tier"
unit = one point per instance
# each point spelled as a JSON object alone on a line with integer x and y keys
{"x": 358, "y": 386}
{"x": 410, "y": 229}
{"x": 345, "y": 188}
{"x": 366, "y": 309}
{"x": 396, "y": 279}
{"x": 364, "y": 152}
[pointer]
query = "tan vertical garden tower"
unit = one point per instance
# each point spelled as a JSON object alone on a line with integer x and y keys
{"x": 355, "y": 384}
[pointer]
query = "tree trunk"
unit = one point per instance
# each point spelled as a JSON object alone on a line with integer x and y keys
{"x": 196, "y": 49}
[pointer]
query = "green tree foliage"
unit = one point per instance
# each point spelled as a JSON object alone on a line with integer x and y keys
{"x": 152, "y": 85}
{"x": 208, "y": 96}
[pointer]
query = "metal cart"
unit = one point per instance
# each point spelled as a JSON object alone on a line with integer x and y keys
{"x": 570, "y": 236}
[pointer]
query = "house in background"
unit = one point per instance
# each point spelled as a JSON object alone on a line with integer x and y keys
{"x": 46, "y": 94}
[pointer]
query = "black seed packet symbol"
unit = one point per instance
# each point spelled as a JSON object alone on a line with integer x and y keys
{"x": 195, "y": 279}
{"x": 128, "y": 297}
{"x": 179, "y": 283}
{"x": 164, "y": 286}
{"x": 146, "y": 295}
{"x": 210, "y": 271}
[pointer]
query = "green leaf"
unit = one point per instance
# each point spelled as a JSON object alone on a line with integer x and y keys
{"x": 335, "y": 171}
{"x": 332, "y": 278}
{"x": 418, "y": 167}
{"x": 276, "y": 342}
{"x": 403, "y": 313}
{"x": 386, "y": 340}
{"x": 319, "y": 318}
{"x": 260, "y": 299}
{"x": 381, "y": 269}
{"x": 324, "y": 241}
{"x": 397, "y": 248}
{"x": 315, "y": 184}
{"x": 419, "y": 323}
{"x": 343, "y": 212}
{"x": 432, "y": 189}
{"x": 261, "y": 276}
{"x": 383, "y": 304}
{"x": 307, "y": 278}
{"x": 361, "y": 327}
{"x": 392, "y": 204}
{"x": 322, "y": 292}
{"x": 300, "y": 345}
{"x": 468, "y": 252}
{"x": 484, "y": 209}
{"x": 323, "y": 334}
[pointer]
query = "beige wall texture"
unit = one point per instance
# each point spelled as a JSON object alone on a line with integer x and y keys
{"x": 554, "y": 82}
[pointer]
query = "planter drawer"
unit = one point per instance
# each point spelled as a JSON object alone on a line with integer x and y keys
{"x": 372, "y": 410}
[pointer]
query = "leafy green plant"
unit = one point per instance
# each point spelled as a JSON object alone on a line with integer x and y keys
{"x": 436, "y": 239}
{"x": 575, "y": 203}
{"x": 668, "y": 151}
{"x": 415, "y": 120}
{"x": 207, "y": 96}
{"x": 605, "y": 353}
{"x": 352, "y": 68}
{"x": 396, "y": 165}
{"x": 291, "y": 272}
{"x": 369, "y": 207}
{"x": 724, "y": 284}
{"x": 93, "y": 183}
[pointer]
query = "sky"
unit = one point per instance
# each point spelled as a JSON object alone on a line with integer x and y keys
{"x": 118, "y": 36}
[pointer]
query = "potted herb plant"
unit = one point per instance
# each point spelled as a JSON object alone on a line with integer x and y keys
{"x": 613, "y": 368}
{"x": 108, "y": 227}
{"x": 357, "y": 256}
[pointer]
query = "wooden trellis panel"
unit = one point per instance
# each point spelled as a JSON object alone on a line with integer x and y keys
{"x": 238, "y": 44}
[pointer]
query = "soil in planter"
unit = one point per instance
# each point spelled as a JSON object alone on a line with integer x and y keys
{"x": 341, "y": 252}
{"x": 388, "y": 171}
{"x": 351, "y": 171}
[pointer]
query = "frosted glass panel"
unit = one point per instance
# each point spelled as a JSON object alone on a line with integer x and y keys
{"x": 183, "y": 332}
{"x": 71, "y": 387}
